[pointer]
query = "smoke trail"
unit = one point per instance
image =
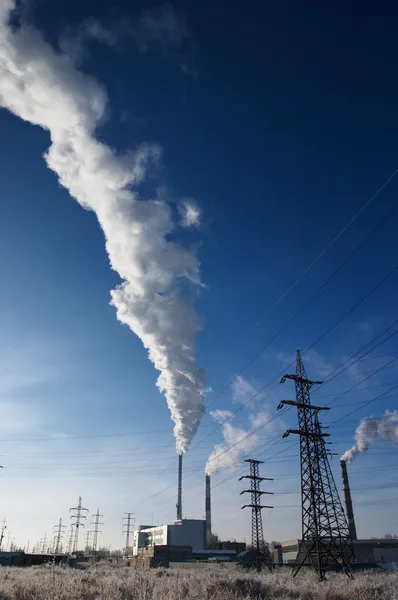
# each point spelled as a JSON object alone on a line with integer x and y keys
{"x": 44, "y": 88}
{"x": 237, "y": 441}
{"x": 372, "y": 430}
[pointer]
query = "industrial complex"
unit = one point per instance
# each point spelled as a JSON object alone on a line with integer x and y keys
{"x": 190, "y": 539}
{"x": 329, "y": 534}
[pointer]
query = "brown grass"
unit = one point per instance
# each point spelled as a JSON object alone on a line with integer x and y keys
{"x": 105, "y": 582}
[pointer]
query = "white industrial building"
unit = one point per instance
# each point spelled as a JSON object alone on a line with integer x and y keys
{"x": 187, "y": 532}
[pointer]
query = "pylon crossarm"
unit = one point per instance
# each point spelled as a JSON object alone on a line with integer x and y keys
{"x": 255, "y": 478}
{"x": 298, "y": 379}
{"x": 259, "y": 492}
{"x": 308, "y": 434}
{"x": 302, "y": 405}
{"x": 256, "y": 506}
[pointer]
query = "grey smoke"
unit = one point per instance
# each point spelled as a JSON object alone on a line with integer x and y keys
{"x": 44, "y": 88}
{"x": 371, "y": 430}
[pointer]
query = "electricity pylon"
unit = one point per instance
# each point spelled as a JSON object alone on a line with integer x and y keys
{"x": 262, "y": 556}
{"x": 58, "y": 535}
{"x": 128, "y": 530}
{"x": 77, "y": 515}
{"x": 96, "y": 529}
{"x": 326, "y": 538}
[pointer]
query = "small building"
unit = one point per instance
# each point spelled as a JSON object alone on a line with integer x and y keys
{"x": 21, "y": 559}
{"x": 366, "y": 551}
{"x": 234, "y": 545}
{"x": 161, "y": 556}
{"x": 187, "y": 532}
{"x": 214, "y": 555}
{"x": 377, "y": 550}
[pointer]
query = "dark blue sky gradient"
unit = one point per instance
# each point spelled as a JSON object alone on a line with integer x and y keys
{"x": 285, "y": 127}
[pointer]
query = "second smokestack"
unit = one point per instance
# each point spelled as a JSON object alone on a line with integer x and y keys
{"x": 208, "y": 511}
{"x": 179, "y": 492}
{"x": 348, "y": 502}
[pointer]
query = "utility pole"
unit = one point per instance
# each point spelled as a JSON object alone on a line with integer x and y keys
{"x": 262, "y": 556}
{"x": 128, "y": 530}
{"x": 326, "y": 539}
{"x": 3, "y": 528}
{"x": 97, "y": 523}
{"x": 59, "y": 531}
{"x": 78, "y": 516}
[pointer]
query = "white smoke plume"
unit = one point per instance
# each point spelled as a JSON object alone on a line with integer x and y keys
{"x": 190, "y": 213}
{"x": 237, "y": 441}
{"x": 43, "y": 87}
{"x": 371, "y": 430}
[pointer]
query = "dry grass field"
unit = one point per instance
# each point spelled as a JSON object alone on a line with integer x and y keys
{"x": 104, "y": 582}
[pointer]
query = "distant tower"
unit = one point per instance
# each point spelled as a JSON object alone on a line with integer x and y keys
{"x": 348, "y": 501}
{"x": 258, "y": 545}
{"x": 128, "y": 528}
{"x": 77, "y": 516}
{"x": 70, "y": 539}
{"x": 208, "y": 510}
{"x": 326, "y": 538}
{"x": 87, "y": 544}
{"x": 58, "y": 535}
{"x": 97, "y": 524}
{"x": 3, "y": 528}
{"x": 179, "y": 491}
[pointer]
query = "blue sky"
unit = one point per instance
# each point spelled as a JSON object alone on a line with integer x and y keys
{"x": 280, "y": 124}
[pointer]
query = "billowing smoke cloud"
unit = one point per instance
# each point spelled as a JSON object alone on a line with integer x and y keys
{"x": 190, "y": 213}
{"x": 371, "y": 430}
{"x": 44, "y": 88}
{"x": 238, "y": 442}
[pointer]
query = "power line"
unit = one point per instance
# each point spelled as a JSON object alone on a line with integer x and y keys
{"x": 362, "y": 381}
{"x": 252, "y": 432}
{"x": 322, "y": 336}
{"x": 309, "y": 300}
{"x": 295, "y": 444}
{"x": 84, "y": 437}
{"x": 347, "y": 364}
{"x": 327, "y": 247}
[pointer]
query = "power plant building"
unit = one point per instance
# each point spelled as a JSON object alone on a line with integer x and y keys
{"x": 187, "y": 532}
{"x": 366, "y": 551}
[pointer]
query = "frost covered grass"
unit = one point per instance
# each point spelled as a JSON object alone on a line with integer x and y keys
{"x": 105, "y": 582}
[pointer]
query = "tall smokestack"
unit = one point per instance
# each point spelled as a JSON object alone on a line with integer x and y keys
{"x": 179, "y": 493}
{"x": 348, "y": 501}
{"x": 208, "y": 511}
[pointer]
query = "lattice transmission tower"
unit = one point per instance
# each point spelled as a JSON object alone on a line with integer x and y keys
{"x": 59, "y": 531}
{"x": 78, "y": 516}
{"x": 326, "y": 538}
{"x": 128, "y": 530}
{"x": 261, "y": 552}
{"x": 97, "y": 524}
{"x": 70, "y": 539}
